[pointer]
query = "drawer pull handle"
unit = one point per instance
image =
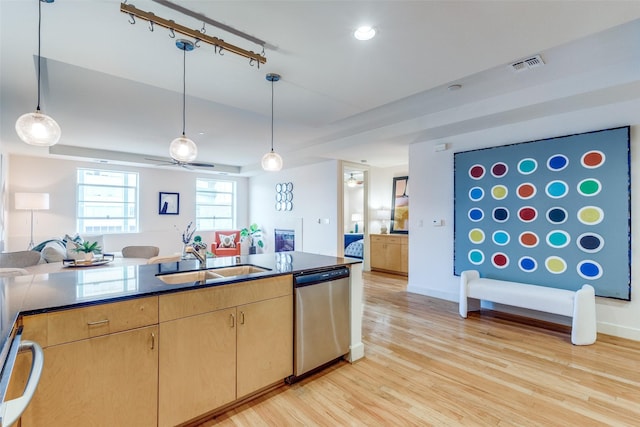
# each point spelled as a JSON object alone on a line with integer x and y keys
{"x": 232, "y": 318}
{"x": 153, "y": 340}
{"x": 242, "y": 317}
{"x": 99, "y": 322}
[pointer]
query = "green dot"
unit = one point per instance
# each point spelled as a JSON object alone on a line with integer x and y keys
{"x": 589, "y": 187}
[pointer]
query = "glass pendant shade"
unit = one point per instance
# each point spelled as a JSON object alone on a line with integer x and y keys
{"x": 38, "y": 129}
{"x": 272, "y": 161}
{"x": 183, "y": 149}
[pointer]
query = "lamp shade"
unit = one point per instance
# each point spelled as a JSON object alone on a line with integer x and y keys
{"x": 38, "y": 129}
{"x": 356, "y": 217}
{"x": 383, "y": 214}
{"x": 272, "y": 162}
{"x": 183, "y": 149}
{"x": 32, "y": 201}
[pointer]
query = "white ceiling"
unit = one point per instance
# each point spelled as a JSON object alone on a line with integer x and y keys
{"x": 116, "y": 87}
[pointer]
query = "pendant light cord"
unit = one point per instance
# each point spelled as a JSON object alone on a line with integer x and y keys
{"x": 39, "y": 58}
{"x": 184, "y": 86}
{"x": 272, "y": 115}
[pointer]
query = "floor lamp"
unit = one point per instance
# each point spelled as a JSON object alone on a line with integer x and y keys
{"x": 32, "y": 202}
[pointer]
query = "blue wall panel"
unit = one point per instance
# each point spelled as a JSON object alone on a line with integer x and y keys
{"x": 553, "y": 212}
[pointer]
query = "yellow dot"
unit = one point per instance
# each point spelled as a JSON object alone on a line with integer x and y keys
{"x": 590, "y": 215}
{"x": 555, "y": 265}
{"x": 499, "y": 192}
{"x": 476, "y": 235}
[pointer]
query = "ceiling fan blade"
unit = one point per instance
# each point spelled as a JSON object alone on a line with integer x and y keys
{"x": 161, "y": 161}
{"x": 201, "y": 165}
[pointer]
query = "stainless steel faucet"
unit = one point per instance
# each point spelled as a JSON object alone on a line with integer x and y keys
{"x": 201, "y": 257}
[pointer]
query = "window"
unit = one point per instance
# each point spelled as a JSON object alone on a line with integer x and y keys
{"x": 215, "y": 204}
{"x": 107, "y": 201}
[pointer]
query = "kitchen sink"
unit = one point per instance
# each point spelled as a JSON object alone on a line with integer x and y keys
{"x": 214, "y": 273}
{"x": 237, "y": 270}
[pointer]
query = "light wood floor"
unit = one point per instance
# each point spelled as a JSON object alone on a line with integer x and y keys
{"x": 424, "y": 365}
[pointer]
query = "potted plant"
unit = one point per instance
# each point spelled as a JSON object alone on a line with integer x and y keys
{"x": 255, "y": 234}
{"x": 89, "y": 248}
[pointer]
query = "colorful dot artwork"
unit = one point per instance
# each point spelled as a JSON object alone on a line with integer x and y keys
{"x": 540, "y": 212}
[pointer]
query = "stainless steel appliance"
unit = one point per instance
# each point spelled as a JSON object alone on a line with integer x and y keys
{"x": 322, "y": 321}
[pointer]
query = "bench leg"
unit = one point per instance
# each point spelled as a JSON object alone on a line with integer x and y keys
{"x": 465, "y": 303}
{"x": 583, "y": 328}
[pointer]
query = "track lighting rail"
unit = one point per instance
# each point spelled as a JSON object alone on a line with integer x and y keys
{"x": 196, "y": 34}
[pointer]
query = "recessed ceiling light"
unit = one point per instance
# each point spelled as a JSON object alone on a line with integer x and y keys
{"x": 454, "y": 87}
{"x": 364, "y": 33}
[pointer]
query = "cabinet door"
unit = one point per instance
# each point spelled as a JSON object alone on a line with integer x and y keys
{"x": 265, "y": 343}
{"x": 404, "y": 257}
{"x": 393, "y": 254}
{"x": 197, "y": 365}
{"x": 105, "y": 381}
{"x": 377, "y": 253}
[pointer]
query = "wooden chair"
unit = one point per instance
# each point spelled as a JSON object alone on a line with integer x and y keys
{"x": 140, "y": 251}
{"x": 19, "y": 259}
{"x": 227, "y": 243}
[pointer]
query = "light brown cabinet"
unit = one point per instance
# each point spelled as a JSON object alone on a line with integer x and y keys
{"x": 197, "y": 365}
{"x": 222, "y": 344}
{"x": 390, "y": 253}
{"x": 162, "y": 360}
{"x": 98, "y": 369}
{"x": 265, "y": 344}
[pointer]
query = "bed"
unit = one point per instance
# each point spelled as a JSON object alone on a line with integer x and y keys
{"x": 354, "y": 245}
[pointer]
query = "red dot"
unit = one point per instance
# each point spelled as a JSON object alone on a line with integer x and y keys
{"x": 476, "y": 171}
{"x": 527, "y": 214}
{"x": 500, "y": 260}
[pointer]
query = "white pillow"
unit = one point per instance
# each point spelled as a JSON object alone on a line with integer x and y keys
{"x": 71, "y": 253}
{"x": 227, "y": 241}
{"x": 53, "y": 252}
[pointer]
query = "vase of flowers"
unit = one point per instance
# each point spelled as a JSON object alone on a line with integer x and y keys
{"x": 187, "y": 234}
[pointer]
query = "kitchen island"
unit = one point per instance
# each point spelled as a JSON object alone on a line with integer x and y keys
{"x": 129, "y": 347}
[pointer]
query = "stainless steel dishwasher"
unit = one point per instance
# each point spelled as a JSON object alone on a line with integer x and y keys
{"x": 322, "y": 322}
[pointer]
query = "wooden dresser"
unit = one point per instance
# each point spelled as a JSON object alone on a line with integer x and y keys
{"x": 390, "y": 253}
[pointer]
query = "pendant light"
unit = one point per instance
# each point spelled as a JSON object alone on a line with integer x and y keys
{"x": 182, "y": 149}
{"x": 37, "y": 128}
{"x": 272, "y": 161}
{"x": 352, "y": 182}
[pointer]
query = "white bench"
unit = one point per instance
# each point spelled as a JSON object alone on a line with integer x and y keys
{"x": 580, "y": 305}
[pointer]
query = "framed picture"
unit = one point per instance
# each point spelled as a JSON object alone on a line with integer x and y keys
{"x": 169, "y": 204}
{"x": 400, "y": 205}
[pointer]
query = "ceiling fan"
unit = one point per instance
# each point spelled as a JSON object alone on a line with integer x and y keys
{"x": 353, "y": 182}
{"x": 186, "y": 165}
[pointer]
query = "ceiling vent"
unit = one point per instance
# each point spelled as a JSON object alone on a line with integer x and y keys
{"x": 526, "y": 64}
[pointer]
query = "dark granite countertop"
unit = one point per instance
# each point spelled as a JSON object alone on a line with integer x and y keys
{"x": 87, "y": 286}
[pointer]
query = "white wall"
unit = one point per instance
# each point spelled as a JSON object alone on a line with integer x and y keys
{"x": 353, "y": 204}
{"x": 58, "y": 178}
{"x": 431, "y": 248}
{"x": 315, "y": 205}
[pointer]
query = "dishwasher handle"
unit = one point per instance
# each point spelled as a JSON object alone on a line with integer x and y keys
{"x": 11, "y": 411}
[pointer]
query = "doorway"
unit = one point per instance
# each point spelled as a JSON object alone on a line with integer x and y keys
{"x": 355, "y": 216}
